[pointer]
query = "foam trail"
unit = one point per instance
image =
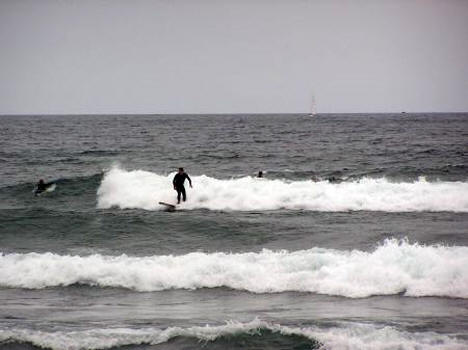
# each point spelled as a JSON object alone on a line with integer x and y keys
{"x": 395, "y": 267}
{"x": 348, "y": 336}
{"x": 143, "y": 189}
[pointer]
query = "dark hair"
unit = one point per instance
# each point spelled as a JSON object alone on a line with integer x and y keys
{"x": 181, "y": 169}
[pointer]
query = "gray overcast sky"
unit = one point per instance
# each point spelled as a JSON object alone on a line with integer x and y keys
{"x": 218, "y": 56}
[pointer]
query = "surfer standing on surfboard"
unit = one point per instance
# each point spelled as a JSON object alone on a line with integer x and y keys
{"x": 178, "y": 183}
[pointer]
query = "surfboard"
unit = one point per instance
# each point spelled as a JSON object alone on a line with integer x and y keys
{"x": 169, "y": 207}
{"x": 50, "y": 188}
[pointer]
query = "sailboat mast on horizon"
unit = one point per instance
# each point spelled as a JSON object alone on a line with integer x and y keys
{"x": 312, "y": 106}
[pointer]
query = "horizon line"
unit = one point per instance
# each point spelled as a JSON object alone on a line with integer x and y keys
{"x": 217, "y": 114}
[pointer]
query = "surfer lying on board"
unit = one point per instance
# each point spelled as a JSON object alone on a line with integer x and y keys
{"x": 42, "y": 186}
{"x": 178, "y": 183}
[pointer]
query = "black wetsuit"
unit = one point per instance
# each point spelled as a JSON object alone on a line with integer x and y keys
{"x": 41, "y": 187}
{"x": 178, "y": 182}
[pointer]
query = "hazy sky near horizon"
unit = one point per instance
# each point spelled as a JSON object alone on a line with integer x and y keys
{"x": 236, "y": 56}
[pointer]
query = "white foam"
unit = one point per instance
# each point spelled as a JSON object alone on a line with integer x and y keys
{"x": 348, "y": 336}
{"x": 355, "y": 336}
{"x": 392, "y": 268}
{"x": 143, "y": 189}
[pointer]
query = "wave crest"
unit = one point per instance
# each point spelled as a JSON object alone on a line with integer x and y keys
{"x": 344, "y": 336}
{"x": 394, "y": 267}
{"x": 143, "y": 189}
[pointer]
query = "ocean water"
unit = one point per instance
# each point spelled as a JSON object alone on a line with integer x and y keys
{"x": 356, "y": 237}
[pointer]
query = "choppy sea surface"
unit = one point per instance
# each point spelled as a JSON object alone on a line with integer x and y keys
{"x": 355, "y": 238}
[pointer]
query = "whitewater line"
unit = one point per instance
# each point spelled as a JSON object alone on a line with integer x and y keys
{"x": 143, "y": 189}
{"x": 394, "y": 267}
{"x": 352, "y": 336}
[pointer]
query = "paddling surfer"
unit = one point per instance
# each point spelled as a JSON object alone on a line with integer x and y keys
{"x": 42, "y": 187}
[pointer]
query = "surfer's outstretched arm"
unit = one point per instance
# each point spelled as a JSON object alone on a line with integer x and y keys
{"x": 189, "y": 180}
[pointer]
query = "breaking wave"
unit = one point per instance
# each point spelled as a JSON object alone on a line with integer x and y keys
{"x": 144, "y": 189}
{"x": 394, "y": 267}
{"x": 343, "y": 336}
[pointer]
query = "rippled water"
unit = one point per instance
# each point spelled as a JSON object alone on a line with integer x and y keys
{"x": 355, "y": 238}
